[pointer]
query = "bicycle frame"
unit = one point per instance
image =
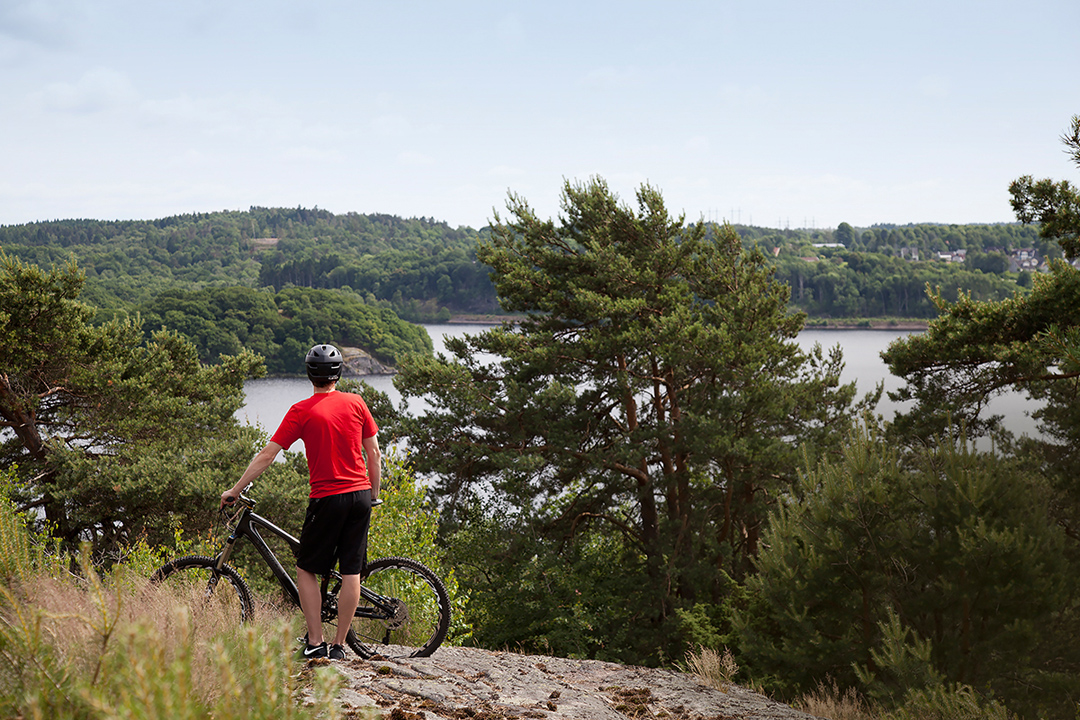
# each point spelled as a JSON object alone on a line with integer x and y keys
{"x": 248, "y": 524}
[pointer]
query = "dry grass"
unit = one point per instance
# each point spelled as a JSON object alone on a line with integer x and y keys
{"x": 718, "y": 670}
{"x": 89, "y": 645}
{"x": 84, "y": 622}
{"x": 76, "y": 647}
{"x": 712, "y": 667}
{"x": 828, "y": 701}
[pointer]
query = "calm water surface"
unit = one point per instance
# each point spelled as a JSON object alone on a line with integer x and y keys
{"x": 269, "y": 399}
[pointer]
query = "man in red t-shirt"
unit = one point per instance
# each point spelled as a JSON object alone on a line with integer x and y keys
{"x": 338, "y": 432}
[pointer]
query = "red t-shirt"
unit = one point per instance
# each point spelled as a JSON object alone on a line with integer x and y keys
{"x": 333, "y": 427}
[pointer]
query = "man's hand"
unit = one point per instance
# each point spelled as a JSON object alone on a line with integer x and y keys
{"x": 230, "y": 496}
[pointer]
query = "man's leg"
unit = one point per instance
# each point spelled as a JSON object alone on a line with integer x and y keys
{"x": 348, "y": 598}
{"x": 311, "y": 603}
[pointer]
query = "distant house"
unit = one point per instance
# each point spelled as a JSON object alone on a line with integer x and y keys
{"x": 953, "y": 256}
{"x": 910, "y": 253}
{"x": 829, "y": 245}
{"x": 1023, "y": 260}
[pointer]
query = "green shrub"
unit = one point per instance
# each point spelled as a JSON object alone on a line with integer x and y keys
{"x": 16, "y": 551}
{"x": 406, "y": 525}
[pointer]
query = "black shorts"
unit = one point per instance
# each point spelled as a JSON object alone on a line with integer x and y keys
{"x": 335, "y": 531}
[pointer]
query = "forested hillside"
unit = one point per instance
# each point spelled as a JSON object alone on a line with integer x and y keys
{"x": 416, "y": 266}
{"x": 281, "y": 326}
{"x": 883, "y": 271}
{"x": 424, "y": 270}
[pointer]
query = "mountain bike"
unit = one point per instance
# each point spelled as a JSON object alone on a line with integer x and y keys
{"x": 404, "y": 608}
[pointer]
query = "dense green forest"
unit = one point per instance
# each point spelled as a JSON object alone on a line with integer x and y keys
{"x": 874, "y": 273}
{"x": 281, "y": 326}
{"x": 415, "y": 266}
{"x": 426, "y": 271}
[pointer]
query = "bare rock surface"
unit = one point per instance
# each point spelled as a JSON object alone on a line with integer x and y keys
{"x": 472, "y": 683}
{"x": 359, "y": 362}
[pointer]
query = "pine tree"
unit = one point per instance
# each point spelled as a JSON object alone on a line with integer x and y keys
{"x": 952, "y": 546}
{"x": 111, "y": 435}
{"x": 652, "y": 390}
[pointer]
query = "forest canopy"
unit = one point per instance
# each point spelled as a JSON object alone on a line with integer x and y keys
{"x": 427, "y": 271}
{"x": 415, "y": 266}
{"x": 281, "y": 326}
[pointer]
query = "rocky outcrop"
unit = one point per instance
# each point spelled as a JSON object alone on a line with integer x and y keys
{"x": 472, "y": 683}
{"x": 361, "y": 362}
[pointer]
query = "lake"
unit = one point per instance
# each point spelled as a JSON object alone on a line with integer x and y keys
{"x": 268, "y": 399}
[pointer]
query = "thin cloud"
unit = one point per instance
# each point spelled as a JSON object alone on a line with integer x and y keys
{"x": 37, "y": 22}
{"x": 98, "y": 89}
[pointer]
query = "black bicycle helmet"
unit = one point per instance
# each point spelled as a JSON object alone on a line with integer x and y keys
{"x": 323, "y": 364}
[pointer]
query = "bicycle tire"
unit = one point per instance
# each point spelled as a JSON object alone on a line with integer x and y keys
{"x": 196, "y": 580}
{"x": 421, "y": 611}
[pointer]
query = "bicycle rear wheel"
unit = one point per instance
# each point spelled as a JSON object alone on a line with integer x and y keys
{"x": 195, "y": 581}
{"x": 409, "y": 617}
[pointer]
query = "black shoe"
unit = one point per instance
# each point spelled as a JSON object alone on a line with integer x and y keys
{"x": 336, "y": 652}
{"x": 313, "y": 651}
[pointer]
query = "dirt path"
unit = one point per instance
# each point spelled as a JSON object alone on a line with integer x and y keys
{"x": 471, "y": 683}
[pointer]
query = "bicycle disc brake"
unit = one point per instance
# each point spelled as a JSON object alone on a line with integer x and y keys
{"x": 400, "y": 618}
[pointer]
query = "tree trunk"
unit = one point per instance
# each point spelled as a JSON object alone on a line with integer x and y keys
{"x": 21, "y": 420}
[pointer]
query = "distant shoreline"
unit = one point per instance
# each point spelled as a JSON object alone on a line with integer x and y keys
{"x": 911, "y": 325}
{"x": 478, "y": 320}
{"x": 811, "y": 324}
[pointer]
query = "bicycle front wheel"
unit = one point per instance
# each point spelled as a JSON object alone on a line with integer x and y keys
{"x": 404, "y": 611}
{"x": 196, "y": 582}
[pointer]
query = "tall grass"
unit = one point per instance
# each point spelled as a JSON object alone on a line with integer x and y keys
{"x": 829, "y": 701}
{"x": 712, "y": 667}
{"x": 88, "y": 645}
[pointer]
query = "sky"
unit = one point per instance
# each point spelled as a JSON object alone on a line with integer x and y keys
{"x": 776, "y": 113}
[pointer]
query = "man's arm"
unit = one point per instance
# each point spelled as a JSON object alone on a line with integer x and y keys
{"x": 262, "y": 460}
{"x": 374, "y": 464}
